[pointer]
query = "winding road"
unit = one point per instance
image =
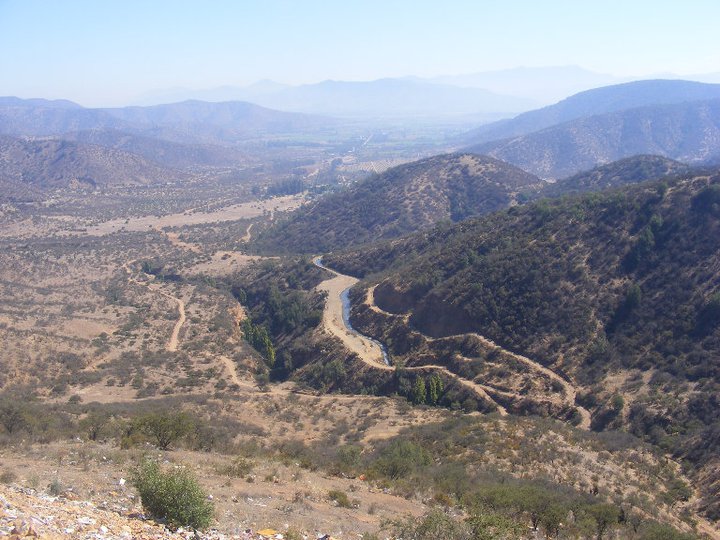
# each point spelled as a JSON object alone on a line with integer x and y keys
{"x": 372, "y": 353}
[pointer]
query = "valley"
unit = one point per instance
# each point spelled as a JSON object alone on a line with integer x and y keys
{"x": 359, "y": 327}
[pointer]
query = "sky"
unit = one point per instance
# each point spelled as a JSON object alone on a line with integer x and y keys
{"x": 110, "y": 52}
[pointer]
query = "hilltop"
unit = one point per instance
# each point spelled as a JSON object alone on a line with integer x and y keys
{"x": 404, "y": 199}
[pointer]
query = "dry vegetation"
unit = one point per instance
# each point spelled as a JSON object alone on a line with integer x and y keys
{"x": 88, "y": 324}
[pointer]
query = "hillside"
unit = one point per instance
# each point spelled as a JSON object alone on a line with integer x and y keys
{"x": 687, "y": 132}
{"x": 617, "y": 290}
{"x": 166, "y": 153}
{"x": 401, "y": 200}
{"x": 596, "y": 101}
{"x": 56, "y": 163}
{"x": 189, "y": 122}
{"x": 632, "y": 170}
{"x": 214, "y": 123}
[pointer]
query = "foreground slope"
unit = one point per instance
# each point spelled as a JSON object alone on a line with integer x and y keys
{"x": 617, "y": 290}
{"x": 402, "y": 200}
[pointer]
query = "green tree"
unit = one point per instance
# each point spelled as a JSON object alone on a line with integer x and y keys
{"x": 435, "y": 389}
{"x": 419, "y": 392}
{"x": 165, "y": 428}
{"x": 12, "y": 415}
{"x": 491, "y": 525}
{"x": 432, "y": 526}
{"x": 400, "y": 458}
{"x": 93, "y": 424}
{"x": 605, "y": 516}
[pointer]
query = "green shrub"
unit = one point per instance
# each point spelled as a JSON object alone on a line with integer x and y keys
{"x": 173, "y": 496}
{"x": 237, "y": 468}
{"x": 7, "y": 477}
{"x": 340, "y": 497}
{"x": 55, "y": 488}
{"x": 400, "y": 458}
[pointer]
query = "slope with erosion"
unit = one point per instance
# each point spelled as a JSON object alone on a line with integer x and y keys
{"x": 617, "y": 291}
{"x": 402, "y": 200}
{"x": 688, "y": 132}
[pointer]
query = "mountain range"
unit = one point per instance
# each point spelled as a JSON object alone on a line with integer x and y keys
{"x": 190, "y": 122}
{"x": 593, "y": 102}
{"x": 688, "y": 132}
{"x": 384, "y": 98}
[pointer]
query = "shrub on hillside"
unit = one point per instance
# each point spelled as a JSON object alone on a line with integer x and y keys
{"x": 174, "y": 496}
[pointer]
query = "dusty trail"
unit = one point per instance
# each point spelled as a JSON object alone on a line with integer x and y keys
{"x": 247, "y": 236}
{"x": 569, "y": 390}
{"x": 174, "y": 341}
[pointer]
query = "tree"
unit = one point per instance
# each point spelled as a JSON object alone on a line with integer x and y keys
{"x": 419, "y": 392}
{"x": 12, "y": 415}
{"x": 93, "y": 424}
{"x": 433, "y": 525}
{"x": 436, "y": 389}
{"x": 165, "y": 428}
{"x": 490, "y": 525}
{"x": 400, "y": 458}
{"x": 605, "y": 517}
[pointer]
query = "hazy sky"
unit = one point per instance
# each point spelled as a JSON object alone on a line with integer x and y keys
{"x": 100, "y": 52}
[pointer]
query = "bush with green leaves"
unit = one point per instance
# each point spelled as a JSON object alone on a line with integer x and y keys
{"x": 173, "y": 496}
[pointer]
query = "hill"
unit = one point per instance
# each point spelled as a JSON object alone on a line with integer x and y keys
{"x": 216, "y": 123}
{"x": 166, "y": 153}
{"x": 190, "y": 122}
{"x": 632, "y": 170}
{"x": 597, "y": 101}
{"x": 56, "y": 163}
{"x": 616, "y": 290}
{"x": 401, "y": 200}
{"x": 688, "y": 132}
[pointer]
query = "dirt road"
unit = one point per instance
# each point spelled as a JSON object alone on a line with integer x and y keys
{"x": 174, "y": 341}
